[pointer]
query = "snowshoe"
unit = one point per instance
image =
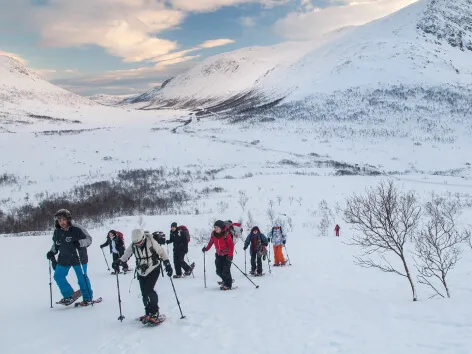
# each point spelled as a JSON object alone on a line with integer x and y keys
{"x": 153, "y": 320}
{"x": 115, "y": 273}
{"x": 225, "y": 288}
{"x": 259, "y": 274}
{"x": 189, "y": 272}
{"x": 127, "y": 270}
{"x": 71, "y": 299}
{"x": 222, "y": 282}
{"x": 176, "y": 276}
{"x": 86, "y": 303}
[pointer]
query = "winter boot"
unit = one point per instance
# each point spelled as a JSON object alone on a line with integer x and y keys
{"x": 224, "y": 287}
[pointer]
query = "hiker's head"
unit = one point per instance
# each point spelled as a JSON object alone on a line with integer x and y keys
{"x": 255, "y": 230}
{"x": 111, "y": 234}
{"x": 137, "y": 237}
{"x": 219, "y": 226}
{"x": 173, "y": 226}
{"x": 63, "y": 218}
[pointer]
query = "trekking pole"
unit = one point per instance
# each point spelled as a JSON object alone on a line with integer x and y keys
{"x": 188, "y": 260}
{"x": 121, "y": 318}
{"x": 245, "y": 269}
{"x": 268, "y": 263}
{"x": 83, "y": 273}
{"x": 178, "y": 303}
{"x": 105, "y": 260}
{"x": 204, "y": 270}
{"x": 287, "y": 255}
{"x": 50, "y": 282}
{"x": 257, "y": 286}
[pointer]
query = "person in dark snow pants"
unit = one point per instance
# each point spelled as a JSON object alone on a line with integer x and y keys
{"x": 221, "y": 238}
{"x": 179, "y": 237}
{"x": 117, "y": 248}
{"x": 257, "y": 243}
{"x": 148, "y": 254}
{"x": 70, "y": 241}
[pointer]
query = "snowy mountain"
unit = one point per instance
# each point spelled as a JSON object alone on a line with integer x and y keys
{"x": 109, "y": 100}
{"x": 19, "y": 85}
{"x": 425, "y": 45}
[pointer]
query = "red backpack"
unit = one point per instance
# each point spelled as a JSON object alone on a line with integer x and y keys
{"x": 184, "y": 228}
{"x": 121, "y": 236}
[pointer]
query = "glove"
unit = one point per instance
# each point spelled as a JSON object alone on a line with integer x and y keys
{"x": 204, "y": 249}
{"x": 229, "y": 258}
{"x": 116, "y": 264}
{"x": 50, "y": 255}
{"x": 169, "y": 270}
{"x": 268, "y": 240}
{"x": 284, "y": 242}
{"x": 76, "y": 244}
{"x": 264, "y": 257}
{"x": 167, "y": 242}
{"x": 245, "y": 248}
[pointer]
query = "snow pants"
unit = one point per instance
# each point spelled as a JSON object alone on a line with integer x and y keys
{"x": 123, "y": 264}
{"x": 179, "y": 262}
{"x": 60, "y": 276}
{"x": 150, "y": 299}
{"x": 223, "y": 269}
{"x": 255, "y": 258}
{"x": 337, "y": 233}
{"x": 278, "y": 254}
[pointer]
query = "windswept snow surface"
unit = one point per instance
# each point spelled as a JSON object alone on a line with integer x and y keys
{"x": 323, "y": 303}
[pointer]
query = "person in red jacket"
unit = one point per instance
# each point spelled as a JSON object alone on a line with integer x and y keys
{"x": 337, "y": 228}
{"x": 221, "y": 238}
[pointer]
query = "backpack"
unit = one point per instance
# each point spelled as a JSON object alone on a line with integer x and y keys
{"x": 184, "y": 228}
{"x": 121, "y": 236}
{"x": 160, "y": 237}
{"x": 235, "y": 230}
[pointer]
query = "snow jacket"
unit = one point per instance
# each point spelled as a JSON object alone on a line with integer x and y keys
{"x": 277, "y": 236}
{"x": 223, "y": 242}
{"x": 179, "y": 238}
{"x": 255, "y": 240}
{"x": 148, "y": 255}
{"x": 116, "y": 243}
{"x": 337, "y": 228}
{"x": 64, "y": 243}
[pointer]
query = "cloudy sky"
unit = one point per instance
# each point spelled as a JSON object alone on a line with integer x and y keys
{"x": 128, "y": 46}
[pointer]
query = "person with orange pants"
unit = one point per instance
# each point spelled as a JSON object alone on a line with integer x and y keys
{"x": 278, "y": 238}
{"x": 337, "y": 228}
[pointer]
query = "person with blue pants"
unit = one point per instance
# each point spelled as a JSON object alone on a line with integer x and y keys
{"x": 71, "y": 242}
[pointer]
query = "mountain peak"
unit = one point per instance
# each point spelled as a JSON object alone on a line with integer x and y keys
{"x": 449, "y": 20}
{"x": 14, "y": 66}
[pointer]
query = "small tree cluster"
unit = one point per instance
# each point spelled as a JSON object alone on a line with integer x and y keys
{"x": 389, "y": 218}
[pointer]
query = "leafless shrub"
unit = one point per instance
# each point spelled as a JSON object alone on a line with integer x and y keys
{"x": 291, "y": 199}
{"x": 299, "y": 200}
{"x": 243, "y": 199}
{"x": 222, "y": 206}
{"x": 437, "y": 243}
{"x": 290, "y": 223}
{"x": 327, "y": 217}
{"x": 8, "y": 179}
{"x": 201, "y": 236}
{"x": 271, "y": 214}
{"x": 386, "y": 218}
{"x": 279, "y": 199}
{"x": 250, "y": 220}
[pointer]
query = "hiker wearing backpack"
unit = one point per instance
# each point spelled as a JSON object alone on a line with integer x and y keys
{"x": 224, "y": 245}
{"x": 180, "y": 237}
{"x": 115, "y": 241}
{"x": 278, "y": 239}
{"x": 149, "y": 256}
{"x": 258, "y": 243}
{"x": 70, "y": 241}
{"x": 336, "y": 229}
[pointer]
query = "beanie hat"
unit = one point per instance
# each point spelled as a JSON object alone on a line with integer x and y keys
{"x": 220, "y": 224}
{"x": 137, "y": 235}
{"x": 174, "y": 224}
{"x": 63, "y": 213}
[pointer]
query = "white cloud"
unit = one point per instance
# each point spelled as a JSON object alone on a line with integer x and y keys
{"x": 53, "y": 73}
{"x": 212, "y": 5}
{"x": 125, "y": 28}
{"x": 216, "y": 43}
{"x": 247, "y": 21}
{"x": 313, "y": 21}
{"x": 13, "y": 56}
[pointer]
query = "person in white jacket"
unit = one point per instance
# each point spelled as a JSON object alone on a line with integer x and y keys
{"x": 148, "y": 254}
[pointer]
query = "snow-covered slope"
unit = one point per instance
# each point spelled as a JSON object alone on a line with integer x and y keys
{"x": 109, "y": 100}
{"x": 426, "y": 44}
{"x": 20, "y": 85}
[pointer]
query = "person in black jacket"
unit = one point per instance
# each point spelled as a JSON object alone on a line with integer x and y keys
{"x": 70, "y": 241}
{"x": 117, "y": 248}
{"x": 179, "y": 236}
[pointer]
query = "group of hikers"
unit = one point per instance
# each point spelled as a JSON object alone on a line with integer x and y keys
{"x": 70, "y": 242}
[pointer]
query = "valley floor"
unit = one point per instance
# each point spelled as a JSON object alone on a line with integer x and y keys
{"x": 323, "y": 303}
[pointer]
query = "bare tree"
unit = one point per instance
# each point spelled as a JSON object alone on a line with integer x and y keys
{"x": 201, "y": 236}
{"x": 291, "y": 199}
{"x": 250, "y": 223}
{"x": 299, "y": 200}
{"x": 279, "y": 199}
{"x": 222, "y": 206}
{"x": 327, "y": 217}
{"x": 437, "y": 243}
{"x": 469, "y": 237}
{"x": 387, "y": 219}
{"x": 290, "y": 223}
{"x": 243, "y": 199}
{"x": 271, "y": 215}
